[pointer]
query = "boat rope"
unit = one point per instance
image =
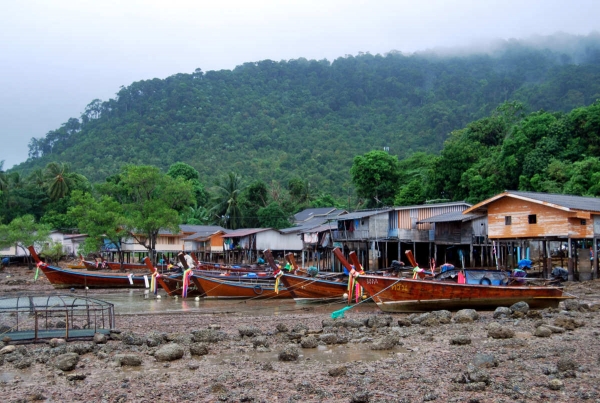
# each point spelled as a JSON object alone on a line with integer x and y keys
{"x": 340, "y": 313}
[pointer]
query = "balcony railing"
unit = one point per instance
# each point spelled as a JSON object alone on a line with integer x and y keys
{"x": 346, "y": 235}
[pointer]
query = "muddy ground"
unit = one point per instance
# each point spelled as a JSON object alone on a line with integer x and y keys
{"x": 550, "y": 355}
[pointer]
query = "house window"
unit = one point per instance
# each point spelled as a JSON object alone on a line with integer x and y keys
{"x": 507, "y": 220}
{"x": 583, "y": 222}
{"x": 532, "y": 219}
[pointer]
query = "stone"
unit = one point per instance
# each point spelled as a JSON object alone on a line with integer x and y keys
{"x": 501, "y": 332}
{"x": 169, "y": 352}
{"x": 404, "y": 322}
{"x": 328, "y": 338}
{"x": 338, "y": 371}
{"x": 132, "y": 339}
{"x": 566, "y": 364}
{"x": 443, "y": 316}
{"x": 555, "y": 384}
{"x": 130, "y": 360}
{"x": 260, "y": 341}
{"x": 100, "y": 338}
{"x": 81, "y": 348}
{"x": 387, "y": 342}
{"x": 502, "y": 312}
{"x": 66, "y": 362}
{"x": 485, "y": 361}
{"x": 208, "y": 336}
{"x": 465, "y": 316}
{"x": 309, "y": 342}
{"x": 55, "y": 342}
{"x": 460, "y": 340}
{"x": 154, "y": 339}
{"x": 8, "y": 349}
{"x": 572, "y": 305}
{"x": 376, "y": 321}
{"x": 76, "y": 377}
{"x": 521, "y": 306}
{"x": 282, "y": 328}
{"x": 542, "y": 331}
{"x": 198, "y": 349}
{"x": 289, "y": 353}
{"x": 249, "y": 331}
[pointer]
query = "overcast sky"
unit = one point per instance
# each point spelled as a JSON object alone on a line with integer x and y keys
{"x": 56, "y": 56}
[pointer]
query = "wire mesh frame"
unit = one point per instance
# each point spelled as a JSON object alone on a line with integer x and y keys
{"x": 83, "y": 316}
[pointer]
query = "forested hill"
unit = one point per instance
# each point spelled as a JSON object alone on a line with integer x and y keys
{"x": 306, "y": 118}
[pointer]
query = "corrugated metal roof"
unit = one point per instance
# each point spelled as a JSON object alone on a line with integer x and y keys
{"x": 202, "y": 235}
{"x": 451, "y": 216}
{"x": 433, "y": 205}
{"x": 311, "y": 212}
{"x": 558, "y": 200}
{"x": 361, "y": 214}
{"x": 244, "y": 232}
{"x": 572, "y": 202}
{"x": 320, "y": 228}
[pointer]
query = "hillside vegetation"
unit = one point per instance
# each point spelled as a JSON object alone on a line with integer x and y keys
{"x": 276, "y": 121}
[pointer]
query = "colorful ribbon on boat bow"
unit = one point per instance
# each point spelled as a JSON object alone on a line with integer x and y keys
{"x": 37, "y": 270}
{"x": 186, "y": 282}
{"x": 153, "y": 281}
{"x": 352, "y": 284}
{"x": 277, "y": 278}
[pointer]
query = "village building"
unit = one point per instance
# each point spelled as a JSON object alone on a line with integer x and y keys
{"x": 560, "y": 224}
{"x": 314, "y": 227}
{"x": 247, "y": 245}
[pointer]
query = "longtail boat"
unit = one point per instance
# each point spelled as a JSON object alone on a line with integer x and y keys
{"x": 238, "y": 287}
{"x": 393, "y": 294}
{"x": 104, "y": 265}
{"x": 64, "y": 278}
{"x": 425, "y": 293}
{"x": 305, "y": 288}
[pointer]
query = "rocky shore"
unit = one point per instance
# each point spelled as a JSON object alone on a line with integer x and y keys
{"x": 513, "y": 354}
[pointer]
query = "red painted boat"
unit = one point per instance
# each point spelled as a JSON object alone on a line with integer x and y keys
{"x": 104, "y": 265}
{"x": 314, "y": 289}
{"x": 393, "y": 294}
{"x": 238, "y": 287}
{"x": 63, "y": 278}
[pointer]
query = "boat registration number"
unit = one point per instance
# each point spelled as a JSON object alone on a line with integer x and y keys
{"x": 371, "y": 281}
{"x": 400, "y": 287}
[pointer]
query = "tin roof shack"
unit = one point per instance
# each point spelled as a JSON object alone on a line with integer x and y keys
{"x": 313, "y": 227}
{"x": 515, "y": 219}
{"x": 460, "y": 239}
{"x": 408, "y": 230}
{"x": 247, "y": 245}
{"x": 207, "y": 242}
{"x": 365, "y": 233}
{"x": 168, "y": 244}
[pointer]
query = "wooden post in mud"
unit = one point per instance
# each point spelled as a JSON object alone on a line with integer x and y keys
{"x": 595, "y": 259}
{"x": 570, "y": 261}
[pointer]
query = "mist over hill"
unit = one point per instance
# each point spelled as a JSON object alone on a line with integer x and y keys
{"x": 308, "y": 118}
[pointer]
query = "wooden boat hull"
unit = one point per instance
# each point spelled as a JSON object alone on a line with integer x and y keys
{"x": 173, "y": 285}
{"x": 117, "y": 266}
{"x": 223, "y": 287}
{"x": 314, "y": 289}
{"x": 63, "y": 278}
{"x": 394, "y": 294}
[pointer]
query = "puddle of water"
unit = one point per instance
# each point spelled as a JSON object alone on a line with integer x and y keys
{"x": 132, "y": 301}
{"x": 336, "y": 354}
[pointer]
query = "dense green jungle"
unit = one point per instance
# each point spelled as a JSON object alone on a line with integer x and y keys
{"x": 360, "y": 131}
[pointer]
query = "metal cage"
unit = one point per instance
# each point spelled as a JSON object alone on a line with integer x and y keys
{"x": 31, "y": 318}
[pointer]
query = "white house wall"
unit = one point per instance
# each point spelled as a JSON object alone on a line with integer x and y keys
{"x": 276, "y": 241}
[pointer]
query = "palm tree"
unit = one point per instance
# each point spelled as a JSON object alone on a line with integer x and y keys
{"x": 60, "y": 180}
{"x": 226, "y": 203}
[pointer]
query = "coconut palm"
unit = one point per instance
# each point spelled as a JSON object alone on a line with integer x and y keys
{"x": 226, "y": 201}
{"x": 60, "y": 180}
